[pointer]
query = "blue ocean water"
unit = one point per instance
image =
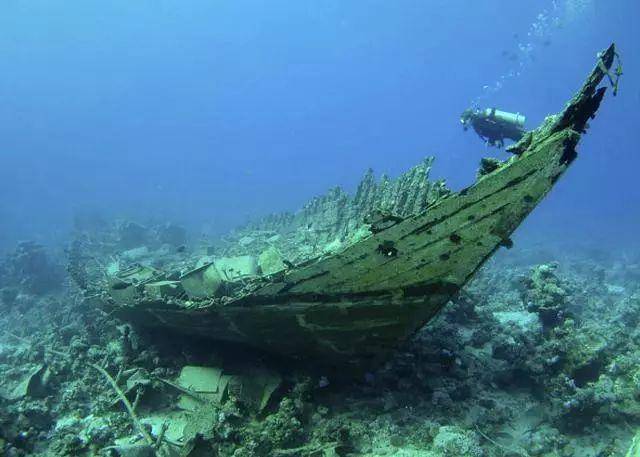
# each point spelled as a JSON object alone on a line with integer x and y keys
{"x": 213, "y": 112}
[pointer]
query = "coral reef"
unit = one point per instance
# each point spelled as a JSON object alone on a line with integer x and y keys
{"x": 29, "y": 268}
{"x": 529, "y": 360}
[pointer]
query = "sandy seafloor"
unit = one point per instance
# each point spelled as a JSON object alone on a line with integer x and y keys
{"x": 538, "y": 356}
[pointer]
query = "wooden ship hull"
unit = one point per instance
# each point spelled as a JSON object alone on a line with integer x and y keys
{"x": 358, "y": 304}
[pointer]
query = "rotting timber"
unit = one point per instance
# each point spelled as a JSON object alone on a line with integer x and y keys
{"x": 416, "y": 246}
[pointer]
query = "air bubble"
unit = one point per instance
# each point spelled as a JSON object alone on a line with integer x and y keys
{"x": 540, "y": 31}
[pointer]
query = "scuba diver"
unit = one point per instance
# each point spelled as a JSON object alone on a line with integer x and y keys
{"x": 493, "y": 125}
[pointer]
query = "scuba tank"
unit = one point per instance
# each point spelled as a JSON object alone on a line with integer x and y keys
{"x": 515, "y": 119}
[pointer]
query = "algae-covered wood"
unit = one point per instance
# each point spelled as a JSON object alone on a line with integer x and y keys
{"x": 361, "y": 302}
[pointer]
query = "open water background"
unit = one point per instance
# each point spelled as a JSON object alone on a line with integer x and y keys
{"x": 209, "y": 113}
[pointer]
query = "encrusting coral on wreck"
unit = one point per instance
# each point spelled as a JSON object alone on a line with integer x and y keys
{"x": 335, "y": 220}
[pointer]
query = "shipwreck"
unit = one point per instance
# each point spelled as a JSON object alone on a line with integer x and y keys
{"x": 345, "y": 280}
